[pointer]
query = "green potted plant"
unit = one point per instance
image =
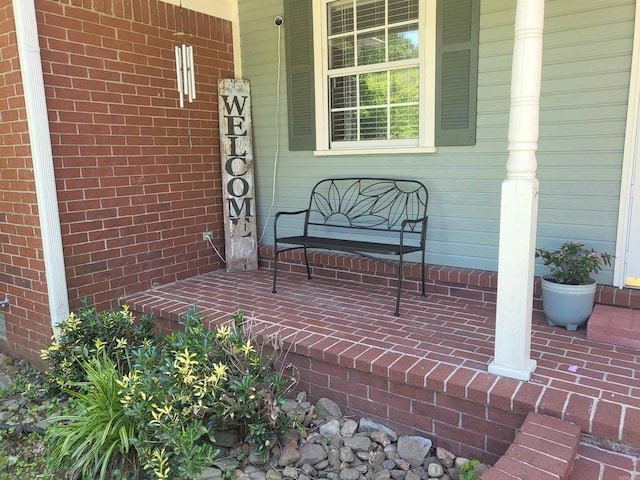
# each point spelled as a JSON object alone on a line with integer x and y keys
{"x": 568, "y": 291}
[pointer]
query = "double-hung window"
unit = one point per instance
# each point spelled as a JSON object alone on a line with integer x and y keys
{"x": 379, "y": 64}
{"x": 369, "y": 76}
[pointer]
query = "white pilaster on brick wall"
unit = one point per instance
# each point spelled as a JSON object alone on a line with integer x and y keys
{"x": 42, "y": 157}
{"x": 519, "y": 203}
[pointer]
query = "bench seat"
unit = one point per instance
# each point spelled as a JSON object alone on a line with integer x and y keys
{"x": 352, "y": 246}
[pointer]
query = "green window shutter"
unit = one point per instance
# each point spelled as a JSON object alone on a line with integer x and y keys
{"x": 458, "y": 27}
{"x": 300, "y": 87}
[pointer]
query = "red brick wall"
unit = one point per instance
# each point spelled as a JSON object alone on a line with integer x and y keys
{"x": 22, "y": 277}
{"x": 474, "y": 429}
{"x": 138, "y": 178}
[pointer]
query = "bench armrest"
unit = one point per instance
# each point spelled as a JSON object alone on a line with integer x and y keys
{"x": 406, "y": 222}
{"x": 279, "y": 214}
{"x": 298, "y": 212}
{"x": 423, "y": 230}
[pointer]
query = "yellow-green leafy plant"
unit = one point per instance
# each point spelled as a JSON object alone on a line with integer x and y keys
{"x": 83, "y": 333}
{"x": 147, "y": 407}
{"x": 199, "y": 381}
{"x": 168, "y": 393}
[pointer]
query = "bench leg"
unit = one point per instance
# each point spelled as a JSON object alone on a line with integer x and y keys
{"x": 424, "y": 294}
{"x": 306, "y": 261}
{"x": 275, "y": 267}
{"x": 400, "y": 266}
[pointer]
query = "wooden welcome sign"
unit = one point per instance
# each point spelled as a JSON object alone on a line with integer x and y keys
{"x": 238, "y": 186}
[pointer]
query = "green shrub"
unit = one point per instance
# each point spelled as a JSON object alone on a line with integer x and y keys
{"x": 155, "y": 407}
{"x": 200, "y": 381}
{"x": 467, "y": 469}
{"x": 254, "y": 388}
{"x": 167, "y": 394}
{"x": 95, "y": 440}
{"x": 81, "y": 335}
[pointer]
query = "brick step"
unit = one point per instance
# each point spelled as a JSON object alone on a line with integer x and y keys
{"x": 605, "y": 462}
{"x": 544, "y": 449}
{"x": 614, "y": 325}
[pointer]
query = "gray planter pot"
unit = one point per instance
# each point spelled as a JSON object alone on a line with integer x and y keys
{"x": 567, "y": 306}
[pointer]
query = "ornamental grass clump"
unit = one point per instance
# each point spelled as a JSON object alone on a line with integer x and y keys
{"x": 94, "y": 441}
{"x": 573, "y": 263}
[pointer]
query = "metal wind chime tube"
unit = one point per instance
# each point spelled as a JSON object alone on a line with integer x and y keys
{"x": 185, "y": 73}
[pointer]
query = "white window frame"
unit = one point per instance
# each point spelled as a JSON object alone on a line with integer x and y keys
{"x": 427, "y": 71}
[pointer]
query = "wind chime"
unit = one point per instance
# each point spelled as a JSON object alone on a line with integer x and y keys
{"x": 184, "y": 71}
{"x": 184, "y": 65}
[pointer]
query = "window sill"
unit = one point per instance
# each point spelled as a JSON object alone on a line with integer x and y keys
{"x": 375, "y": 151}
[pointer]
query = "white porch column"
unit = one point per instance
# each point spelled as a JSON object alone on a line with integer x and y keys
{"x": 519, "y": 204}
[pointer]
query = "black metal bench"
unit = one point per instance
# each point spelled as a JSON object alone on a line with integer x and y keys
{"x": 344, "y": 214}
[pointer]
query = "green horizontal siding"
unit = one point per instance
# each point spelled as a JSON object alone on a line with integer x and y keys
{"x": 586, "y": 67}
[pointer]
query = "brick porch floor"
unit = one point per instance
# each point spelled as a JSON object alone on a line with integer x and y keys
{"x": 441, "y": 345}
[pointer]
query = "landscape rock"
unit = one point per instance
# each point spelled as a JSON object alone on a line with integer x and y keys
{"x": 445, "y": 456}
{"x": 414, "y": 449}
{"x": 210, "y": 473}
{"x": 347, "y": 455}
{"x": 327, "y": 409}
{"x": 290, "y": 472}
{"x": 412, "y": 476}
{"x": 368, "y": 426}
{"x": 257, "y": 457}
{"x": 225, "y": 438}
{"x": 389, "y": 464}
{"x": 349, "y": 428}
{"x": 273, "y": 474}
{"x": 226, "y": 464}
{"x": 380, "y": 437}
{"x": 398, "y": 474}
{"x": 364, "y": 456}
{"x": 5, "y": 381}
{"x": 358, "y": 444}
{"x": 290, "y": 454}
{"x": 382, "y": 475}
{"x": 435, "y": 470}
{"x": 311, "y": 453}
{"x": 330, "y": 429}
{"x": 289, "y": 406}
{"x": 309, "y": 471}
{"x": 349, "y": 474}
{"x": 402, "y": 464}
{"x": 480, "y": 469}
{"x": 259, "y": 475}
